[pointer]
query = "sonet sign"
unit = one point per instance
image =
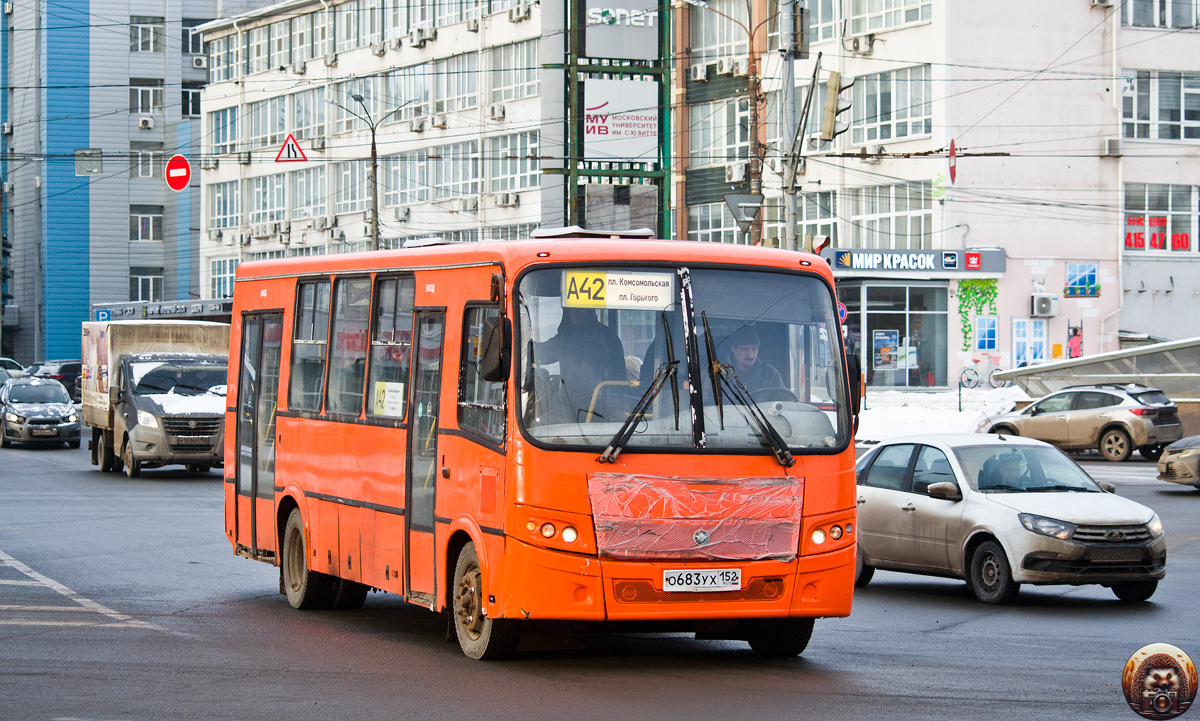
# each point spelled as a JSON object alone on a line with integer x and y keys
{"x": 625, "y": 29}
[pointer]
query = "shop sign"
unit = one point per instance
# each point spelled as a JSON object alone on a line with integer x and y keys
{"x": 622, "y": 29}
{"x": 987, "y": 261}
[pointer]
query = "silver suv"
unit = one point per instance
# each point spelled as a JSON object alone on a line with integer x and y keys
{"x": 1116, "y": 419}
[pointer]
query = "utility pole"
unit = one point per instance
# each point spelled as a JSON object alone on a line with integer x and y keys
{"x": 787, "y": 44}
{"x": 374, "y": 179}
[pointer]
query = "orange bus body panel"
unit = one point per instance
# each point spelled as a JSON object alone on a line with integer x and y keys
{"x": 348, "y": 477}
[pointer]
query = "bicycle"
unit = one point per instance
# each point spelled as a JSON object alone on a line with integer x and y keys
{"x": 973, "y": 378}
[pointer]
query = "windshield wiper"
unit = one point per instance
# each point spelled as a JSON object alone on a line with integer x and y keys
{"x": 1000, "y": 487}
{"x": 714, "y": 368}
{"x": 194, "y": 388}
{"x": 666, "y": 372}
{"x": 1061, "y": 487}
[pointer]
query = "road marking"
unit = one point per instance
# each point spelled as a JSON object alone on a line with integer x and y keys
{"x": 19, "y": 583}
{"x": 86, "y": 603}
{"x": 12, "y": 607}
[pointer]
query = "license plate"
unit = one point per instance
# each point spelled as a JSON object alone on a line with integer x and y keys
{"x": 1117, "y": 554}
{"x": 193, "y": 440}
{"x": 43, "y": 431}
{"x": 706, "y": 579}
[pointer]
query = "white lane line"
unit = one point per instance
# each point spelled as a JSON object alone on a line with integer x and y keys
{"x": 13, "y": 607}
{"x": 14, "y": 622}
{"x": 20, "y": 583}
{"x": 87, "y": 603}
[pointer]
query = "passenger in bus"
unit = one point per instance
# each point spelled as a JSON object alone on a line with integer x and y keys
{"x": 587, "y": 352}
{"x": 754, "y": 373}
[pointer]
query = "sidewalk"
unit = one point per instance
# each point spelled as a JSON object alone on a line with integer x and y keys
{"x": 889, "y": 414}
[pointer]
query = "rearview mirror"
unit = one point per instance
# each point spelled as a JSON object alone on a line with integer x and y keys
{"x": 945, "y": 490}
{"x": 114, "y": 394}
{"x": 1106, "y": 487}
{"x": 494, "y": 354}
{"x": 854, "y": 371}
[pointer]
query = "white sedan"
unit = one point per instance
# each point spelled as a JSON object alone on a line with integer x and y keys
{"x": 999, "y": 511}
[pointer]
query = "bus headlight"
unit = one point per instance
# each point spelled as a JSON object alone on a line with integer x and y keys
{"x": 547, "y": 530}
{"x": 569, "y": 534}
{"x": 818, "y": 536}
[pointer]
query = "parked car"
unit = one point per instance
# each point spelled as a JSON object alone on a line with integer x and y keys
{"x": 63, "y": 371}
{"x": 1115, "y": 419}
{"x": 38, "y": 410}
{"x": 999, "y": 511}
{"x": 14, "y": 369}
{"x": 4, "y": 376}
{"x": 1180, "y": 462}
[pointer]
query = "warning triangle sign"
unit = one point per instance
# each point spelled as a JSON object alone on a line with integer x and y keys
{"x": 290, "y": 152}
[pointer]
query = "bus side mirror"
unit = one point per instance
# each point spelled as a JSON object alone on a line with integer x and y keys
{"x": 854, "y": 370}
{"x": 494, "y": 354}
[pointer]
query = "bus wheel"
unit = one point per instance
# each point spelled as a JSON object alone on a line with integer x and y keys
{"x": 349, "y": 595}
{"x": 780, "y": 638}
{"x": 305, "y": 589}
{"x": 479, "y": 636}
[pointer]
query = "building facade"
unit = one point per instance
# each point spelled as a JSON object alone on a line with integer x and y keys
{"x": 97, "y": 96}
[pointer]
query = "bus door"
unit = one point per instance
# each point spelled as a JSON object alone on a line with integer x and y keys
{"x": 258, "y": 393}
{"x": 424, "y": 461}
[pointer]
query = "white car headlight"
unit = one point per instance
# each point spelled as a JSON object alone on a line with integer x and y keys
{"x": 72, "y": 418}
{"x": 147, "y": 419}
{"x": 13, "y": 417}
{"x": 1155, "y": 526}
{"x": 1047, "y": 526}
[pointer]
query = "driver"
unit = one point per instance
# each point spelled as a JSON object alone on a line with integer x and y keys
{"x": 587, "y": 351}
{"x": 1007, "y": 471}
{"x": 754, "y": 373}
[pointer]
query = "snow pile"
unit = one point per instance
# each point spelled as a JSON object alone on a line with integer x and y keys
{"x": 889, "y": 414}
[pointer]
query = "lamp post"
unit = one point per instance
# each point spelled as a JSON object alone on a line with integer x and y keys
{"x": 374, "y": 181}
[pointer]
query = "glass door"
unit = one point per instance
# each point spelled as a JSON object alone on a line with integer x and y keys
{"x": 258, "y": 393}
{"x": 423, "y": 459}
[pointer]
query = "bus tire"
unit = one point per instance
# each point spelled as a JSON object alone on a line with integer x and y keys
{"x": 863, "y": 572}
{"x": 480, "y": 637}
{"x": 349, "y": 595}
{"x": 305, "y": 589}
{"x": 779, "y": 637}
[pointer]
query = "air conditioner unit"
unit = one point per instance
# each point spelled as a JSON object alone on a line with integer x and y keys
{"x": 145, "y": 123}
{"x": 519, "y": 12}
{"x": 260, "y": 231}
{"x": 337, "y": 235}
{"x": 199, "y": 62}
{"x": 417, "y": 125}
{"x": 473, "y": 25}
{"x": 741, "y": 68}
{"x": 1112, "y": 148}
{"x": 735, "y": 172}
{"x": 379, "y": 49}
{"x": 207, "y": 163}
{"x": 437, "y": 121}
{"x": 1101, "y": 3}
{"x": 777, "y": 165}
{"x": 496, "y": 111}
{"x": 403, "y": 213}
{"x": 214, "y": 234}
{"x": 871, "y": 153}
{"x": 724, "y": 66}
{"x": 8, "y": 187}
{"x": 330, "y": 60}
{"x": 366, "y": 230}
{"x": 285, "y": 238}
{"x": 6, "y": 129}
{"x": 1043, "y": 305}
{"x": 320, "y": 223}
{"x": 299, "y": 67}
{"x": 468, "y": 204}
{"x": 244, "y": 238}
{"x": 8, "y": 8}
{"x": 698, "y": 73}
{"x": 275, "y": 228}
{"x": 862, "y": 44}
{"x": 507, "y": 200}
{"x": 419, "y": 36}
{"x": 318, "y": 143}
{"x": 244, "y": 158}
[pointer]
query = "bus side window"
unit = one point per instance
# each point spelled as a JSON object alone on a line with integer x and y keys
{"x": 348, "y": 356}
{"x": 480, "y": 402}
{"x": 308, "y": 346}
{"x": 391, "y": 347}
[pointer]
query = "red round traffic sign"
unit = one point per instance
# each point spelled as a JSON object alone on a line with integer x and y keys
{"x": 179, "y": 173}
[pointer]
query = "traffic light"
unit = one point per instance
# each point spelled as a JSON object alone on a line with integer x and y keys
{"x": 835, "y": 106}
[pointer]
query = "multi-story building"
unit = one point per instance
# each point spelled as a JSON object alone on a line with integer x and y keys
{"x": 97, "y": 96}
{"x": 1068, "y": 213}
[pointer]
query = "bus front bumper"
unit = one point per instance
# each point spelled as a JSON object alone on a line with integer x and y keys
{"x": 545, "y": 584}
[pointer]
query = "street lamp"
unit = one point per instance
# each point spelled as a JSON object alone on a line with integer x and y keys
{"x": 372, "y": 124}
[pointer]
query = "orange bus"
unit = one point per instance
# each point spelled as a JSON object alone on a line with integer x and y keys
{"x": 581, "y": 426}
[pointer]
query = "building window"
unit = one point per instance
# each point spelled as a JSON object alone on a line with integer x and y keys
{"x": 145, "y": 96}
{"x": 349, "y": 114}
{"x": 265, "y": 255}
{"x": 268, "y": 122}
{"x": 302, "y": 38}
{"x": 720, "y": 132}
{"x": 713, "y": 36}
{"x": 224, "y": 58}
{"x": 1029, "y": 341}
{"x": 985, "y": 332}
{"x": 904, "y": 343}
{"x": 192, "y": 41}
{"x": 351, "y": 194}
{"x": 894, "y": 217}
{"x": 455, "y": 170}
{"x": 267, "y": 199}
{"x": 308, "y": 114}
{"x": 224, "y": 130}
{"x": 713, "y": 223}
{"x": 514, "y": 161}
{"x": 515, "y": 71}
{"x": 1158, "y": 216}
{"x": 221, "y": 282}
{"x": 391, "y": 346}
{"x": 190, "y": 100}
{"x": 1159, "y": 13}
{"x": 258, "y": 50}
{"x": 892, "y": 106}
{"x": 1161, "y": 105}
{"x": 146, "y": 222}
{"x": 308, "y": 192}
{"x": 281, "y": 43}
{"x": 816, "y": 215}
{"x": 821, "y": 19}
{"x": 145, "y": 34}
{"x": 457, "y": 80}
{"x": 223, "y": 205}
{"x": 407, "y": 177}
{"x": 1081, "y": 279}
{"x": 146, "y": 284}
{"x": 870, "y": 16}
{"x": 520, "y": 231}
{"x": 408, "y": 89}
{"x": 145, "y": 160}
{"x": 346, "y": 22}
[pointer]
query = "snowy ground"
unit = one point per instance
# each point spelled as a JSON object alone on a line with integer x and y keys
{"x": 888, "y": 414}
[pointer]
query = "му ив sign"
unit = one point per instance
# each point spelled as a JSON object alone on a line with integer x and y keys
{"x": 620, "y": 120}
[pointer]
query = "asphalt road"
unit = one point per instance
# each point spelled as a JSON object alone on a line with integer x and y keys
{"x": 121, "y": 600}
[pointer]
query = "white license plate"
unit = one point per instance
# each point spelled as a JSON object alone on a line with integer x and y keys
{"x": 703, "y": 579}
{"x": 44, "y": 431}
{"x": 194, "y": 440}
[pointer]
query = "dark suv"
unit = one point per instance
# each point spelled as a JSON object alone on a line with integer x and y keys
{"x": 63, "y": 371}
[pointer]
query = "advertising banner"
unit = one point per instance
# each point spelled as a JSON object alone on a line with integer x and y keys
{"x": 885, "y": 349}
{"x": 620, "y": 120}
{"x": 622, "y": 29}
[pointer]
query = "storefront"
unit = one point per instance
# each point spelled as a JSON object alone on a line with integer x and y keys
{"x": 898, "y": 310}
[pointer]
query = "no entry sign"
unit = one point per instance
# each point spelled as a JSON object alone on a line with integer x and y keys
{"x": 179, "y": 173}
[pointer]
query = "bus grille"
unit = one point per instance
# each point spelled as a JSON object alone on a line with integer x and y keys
{"x": 641, "y": 591}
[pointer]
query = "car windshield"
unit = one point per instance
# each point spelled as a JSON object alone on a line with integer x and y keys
{"x": 1152, "y": 398}
{"x": 999, "y": 468}
{"x": 38, "y": 393}
{"x": 188, "y": 378}
{"x": 594, "y": 340}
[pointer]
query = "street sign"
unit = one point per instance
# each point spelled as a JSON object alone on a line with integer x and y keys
{"x": 179, "y": 173}
{"x": 744, "y": 208}
{"x": 103, "y": 315}
{"x": 291, "y": 152}
{"x": 842, "y": 312}
{"x": 953, "y": 162}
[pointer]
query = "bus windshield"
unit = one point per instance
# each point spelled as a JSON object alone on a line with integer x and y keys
{"x": 593, "y": 340}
